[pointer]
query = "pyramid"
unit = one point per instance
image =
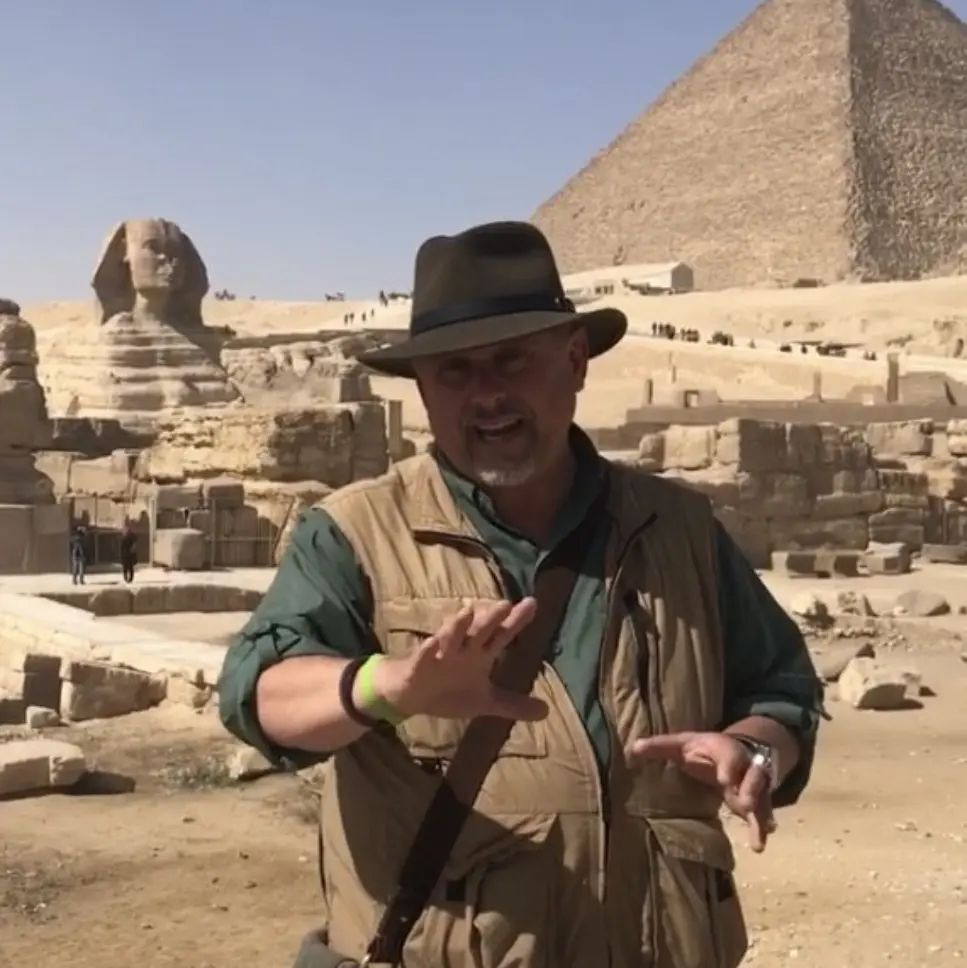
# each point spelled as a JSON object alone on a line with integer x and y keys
{"x": 821, "y": 139}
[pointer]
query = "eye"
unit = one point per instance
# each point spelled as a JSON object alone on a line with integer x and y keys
{"x": 513, "y": 362}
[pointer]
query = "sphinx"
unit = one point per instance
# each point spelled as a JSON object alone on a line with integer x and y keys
{"x": 148, "y": 350}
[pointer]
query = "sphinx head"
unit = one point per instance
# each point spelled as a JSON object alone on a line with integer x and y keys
{"x": 154, "y": 261}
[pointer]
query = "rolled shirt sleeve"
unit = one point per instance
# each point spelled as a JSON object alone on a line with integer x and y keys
{"x": 319, "y": 603}
{"x": 768, "y": 669}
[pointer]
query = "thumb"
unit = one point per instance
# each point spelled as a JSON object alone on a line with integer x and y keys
{"x": 513, "y": 705}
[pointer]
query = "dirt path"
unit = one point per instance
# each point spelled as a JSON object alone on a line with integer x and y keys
{"x": 191, "y": 871}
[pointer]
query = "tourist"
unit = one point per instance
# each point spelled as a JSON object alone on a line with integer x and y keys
{"x": 648, "y": 676}
{"x": 79, "y": 552}
{"x": 129, "y": 552}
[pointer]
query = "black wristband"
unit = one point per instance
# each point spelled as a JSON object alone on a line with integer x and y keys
{"x": 347, "y": 679}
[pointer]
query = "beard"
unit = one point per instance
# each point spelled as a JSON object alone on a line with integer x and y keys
{"x": 502, "y": 447}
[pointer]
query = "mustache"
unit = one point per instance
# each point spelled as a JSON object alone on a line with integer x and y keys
{"x": 505, "y": 411}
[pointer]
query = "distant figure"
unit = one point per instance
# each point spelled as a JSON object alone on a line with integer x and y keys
{"x": 79, "y": 555}
{"x": 129, "y": 553}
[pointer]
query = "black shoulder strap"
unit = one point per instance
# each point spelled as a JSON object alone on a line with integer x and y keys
{"x": 480, "y": 745}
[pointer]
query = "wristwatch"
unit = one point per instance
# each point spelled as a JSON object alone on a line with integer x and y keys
{"x": 762, "y": 755}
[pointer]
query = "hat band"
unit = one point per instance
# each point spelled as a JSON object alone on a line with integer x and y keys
{"x": 499, "y": 306}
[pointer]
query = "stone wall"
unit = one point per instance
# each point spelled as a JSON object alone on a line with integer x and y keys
{"x": 779, "y": 487}
{"x": 217, "y": 489}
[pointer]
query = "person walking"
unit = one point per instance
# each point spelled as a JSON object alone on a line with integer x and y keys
{"x": 79, "y": 553}
{"x": 129, "y": 552}
{"x": 538, "y": 674}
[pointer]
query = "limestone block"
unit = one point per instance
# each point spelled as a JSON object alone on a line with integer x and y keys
{"x": 177, "y": 497}
{"x": 719, "y": 483}
{"x": 33, "y": 765}
{"x": 888, "y": 559}
{"x": 831, "y": 661}
{"x": 844, "y": 448}
{"x": 38, "y": 717}
{"x": 40, "y": 677}
{"x": 898, "y": 526}
{"x": 689, "y": 448}
{"x": 95, "y": 690}
{"x": 370, "y": 446}
{"x": 774, "y": 495}
{"x": 921, "y": 603}
{"x": 182, "y": 549}
{"x": 651, "y": 451}
{"x": 109, "y": 601}
{"x": 957, "y": 446}
{"x": 223, "y": 493}
{"x": 186, "y": 693}
{"x": 839, "y": 533}
{"x": 945, "y": 554}
{"x": 904, "y": 488}
{"x": 101, "y": 476}
{"x": 907, "y": 438}
{"x": 803, "y": 446}
{"x": 752, "y": 445}
{"x": 866, "y": 684}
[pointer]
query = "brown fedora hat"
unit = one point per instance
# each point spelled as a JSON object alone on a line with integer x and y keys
{"x": 489, "y": 284}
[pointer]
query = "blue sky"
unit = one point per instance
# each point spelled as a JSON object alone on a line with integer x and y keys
{"x": 310, "y": 145}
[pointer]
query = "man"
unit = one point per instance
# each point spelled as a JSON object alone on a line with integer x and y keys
{"x": 674, "y": 683}
{"x": 129, "y": 552}
{"x": 79, "y": 553}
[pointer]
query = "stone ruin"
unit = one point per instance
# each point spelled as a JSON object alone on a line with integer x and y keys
{"x": 207, "y": 444}
{"x": 800, "y": 487}
{"x": 34, "y": 527}
{"x": 148, "y": 350}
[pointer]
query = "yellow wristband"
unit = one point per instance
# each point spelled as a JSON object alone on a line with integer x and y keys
{"x": 369, "y": 699}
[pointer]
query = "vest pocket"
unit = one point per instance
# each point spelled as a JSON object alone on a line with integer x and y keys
{"x": 494, "y": 906}
{"x": 408, "y": 625}
{"x": 698, "y": 920}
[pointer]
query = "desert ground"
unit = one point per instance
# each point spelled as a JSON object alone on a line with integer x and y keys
{"x": 160, "y": 858}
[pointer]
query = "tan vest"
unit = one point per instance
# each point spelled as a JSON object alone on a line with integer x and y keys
{"x": 552, "y": 870}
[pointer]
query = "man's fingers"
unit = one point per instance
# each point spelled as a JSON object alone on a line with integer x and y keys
{"x": 513, "y": 705}
{"x": 671, "y": 747}
{"x": 757, "y": 835}
{"x": 451, "y": 634}
{"x": 753, "y": 788}
{"x": 516, "y": 620}
{"x": 486, "y": 619}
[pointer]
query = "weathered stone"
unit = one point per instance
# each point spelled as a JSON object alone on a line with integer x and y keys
{"x": 752, "y": 445}
{"x": 889, "y": 559}
{"x": 249, "y": 764}
{"x": 944, "y": 554}
{"x": 689, "y": 448}
{"x": 181, "y": 549}
{"x": 12, "y": 709}
{"x": 919, "y": 603}
{"x": 96, "y": 690}
{"x": 810, "y": 607}
{"x": 34, "y": 765}
{"x": 866, "y": 684}
{"x": 833, "y": 658}
{"x": 795, "y": 564}
{"x": 907, "y": 438}
{"x": 651, "y": 451}
{"x": 854, "y": 603}
{"x": 37, "y": 717}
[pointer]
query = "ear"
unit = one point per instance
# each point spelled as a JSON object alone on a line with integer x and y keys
{"x": 579, "y": 353}
{"x": 112, "y": 278}
{"x": 194, "y": 284}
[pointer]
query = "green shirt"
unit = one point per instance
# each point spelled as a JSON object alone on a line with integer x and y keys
{"x": 320, "y": 604}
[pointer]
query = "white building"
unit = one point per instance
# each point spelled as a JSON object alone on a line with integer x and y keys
{"x": 584, "y": 287}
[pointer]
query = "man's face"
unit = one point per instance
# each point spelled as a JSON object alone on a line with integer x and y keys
{"x": 153, "y": 254}
{"x": 501, "y": 414}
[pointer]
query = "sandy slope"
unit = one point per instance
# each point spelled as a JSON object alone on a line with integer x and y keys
{"x": 929, "y": 314}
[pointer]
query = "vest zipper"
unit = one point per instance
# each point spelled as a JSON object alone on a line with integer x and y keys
{"x": 608, "y": 647}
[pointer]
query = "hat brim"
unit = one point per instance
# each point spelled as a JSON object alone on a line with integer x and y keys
{"x": 604, "y": 327}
